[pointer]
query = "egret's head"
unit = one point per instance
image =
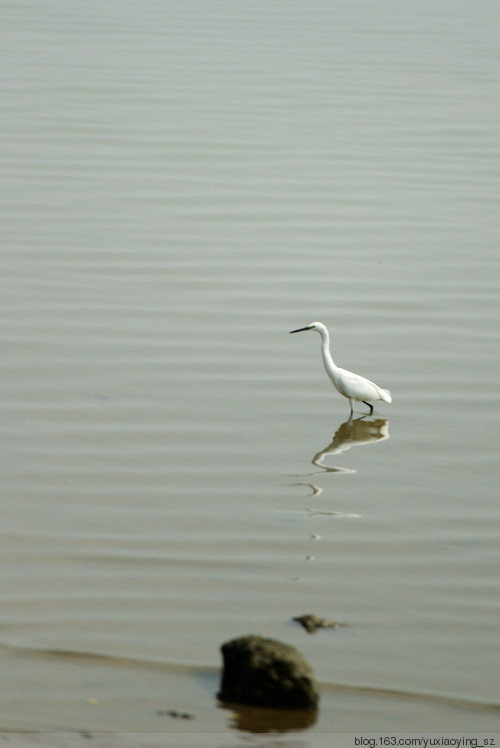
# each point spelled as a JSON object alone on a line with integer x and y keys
{"x": 317, "y": 326}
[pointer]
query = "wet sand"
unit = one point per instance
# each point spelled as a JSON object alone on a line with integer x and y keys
{"x": 114, "y": 740}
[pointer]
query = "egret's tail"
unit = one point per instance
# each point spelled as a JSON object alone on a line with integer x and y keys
{"x": 386, "y": 396}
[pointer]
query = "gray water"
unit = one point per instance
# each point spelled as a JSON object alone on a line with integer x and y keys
{"x": 183, "y": 184}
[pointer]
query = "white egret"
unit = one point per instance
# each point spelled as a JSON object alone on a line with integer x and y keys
{"x": 350, "y": 385}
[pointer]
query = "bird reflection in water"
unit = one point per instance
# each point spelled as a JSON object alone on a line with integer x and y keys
{"x": 355, "y": 432}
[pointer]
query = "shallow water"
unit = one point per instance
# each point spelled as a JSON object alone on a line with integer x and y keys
{"x": 183, "y": 185}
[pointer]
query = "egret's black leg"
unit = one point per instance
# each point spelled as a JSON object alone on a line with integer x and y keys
{"x": 369, "y": 405}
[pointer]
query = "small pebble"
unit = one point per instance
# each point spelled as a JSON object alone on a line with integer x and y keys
{"x": 174, "y": 713}
{"x": 312, "y": 623}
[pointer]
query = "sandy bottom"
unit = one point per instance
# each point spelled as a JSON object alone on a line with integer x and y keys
{"x": 103, "y": 702}
{"x": 120, "y": 740}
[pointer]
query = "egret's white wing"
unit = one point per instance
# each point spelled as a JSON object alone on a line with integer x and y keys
{"x": 357, "y": 387}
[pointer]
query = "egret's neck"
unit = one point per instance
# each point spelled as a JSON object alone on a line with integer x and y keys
{"x": 325, "y": 352}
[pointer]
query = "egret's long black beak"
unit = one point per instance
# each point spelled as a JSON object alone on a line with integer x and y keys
{"x": 301, "y": 329}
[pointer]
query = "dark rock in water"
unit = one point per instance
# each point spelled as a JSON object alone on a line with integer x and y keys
{"x": 268, "y": 673}
{"x": 174, "y": 713}
{"x": 312, "y": 623}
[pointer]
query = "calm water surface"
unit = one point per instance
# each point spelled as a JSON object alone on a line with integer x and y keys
{"x": 184, "y": 183}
